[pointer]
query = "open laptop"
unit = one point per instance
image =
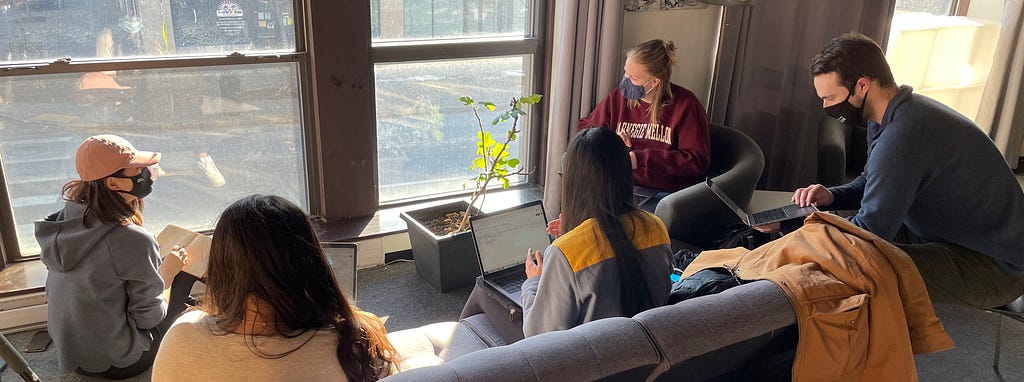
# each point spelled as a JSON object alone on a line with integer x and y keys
{"x": 342, "y": 258}
{"x": 501, "y": 240}
{"x": 763, "y": 217}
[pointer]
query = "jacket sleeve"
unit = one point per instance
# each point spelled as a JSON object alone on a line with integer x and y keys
{"x": 848, "y": 196}
{"x": 138, "y": 267}
{"x": 606, "y": 114}
{"x": 550, "y": 301}
{"x": 691, "y": 156}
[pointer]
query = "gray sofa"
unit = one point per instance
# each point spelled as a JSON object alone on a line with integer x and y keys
{"x": 746, "y": 329}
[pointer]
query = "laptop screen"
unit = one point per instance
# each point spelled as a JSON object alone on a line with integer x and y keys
{"x": 503, "y": 237}
{"x": 342, "y": 258}
{"x": 728, "y": 201}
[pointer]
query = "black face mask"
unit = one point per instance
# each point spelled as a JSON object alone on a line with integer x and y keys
{"x": 142, "y": 184}
{"x": 845, "y": 112}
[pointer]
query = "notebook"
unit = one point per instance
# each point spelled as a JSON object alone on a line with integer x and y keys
{"x": 763, "y": 217}
{"x": 502, "y": 239}
{"x": 342, "y": 258}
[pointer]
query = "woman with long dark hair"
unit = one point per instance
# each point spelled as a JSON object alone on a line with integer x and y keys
{"x": 612, "y": 258}
{"x": 272, "y": 310}
{"x": 106, "y": 312}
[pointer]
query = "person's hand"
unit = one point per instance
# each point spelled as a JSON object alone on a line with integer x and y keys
{"x": 555, "y": 227}
{"x": 173, "y": 264}
{"x": 815, "y": 194}
{"x": 176, "y": 259}
{"x": 534, "y": 263}
{"x": 768, "y": 228}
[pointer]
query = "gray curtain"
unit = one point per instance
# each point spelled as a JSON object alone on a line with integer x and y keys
{"x": 586, "y": 39}
{"x": 1001, "y": 113}
{"x": 762, "y": 85}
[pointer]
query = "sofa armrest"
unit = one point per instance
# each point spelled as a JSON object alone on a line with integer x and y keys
{"x": 695, "y": 328}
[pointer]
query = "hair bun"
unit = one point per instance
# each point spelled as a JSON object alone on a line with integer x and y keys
{"x": 670, "y": 52}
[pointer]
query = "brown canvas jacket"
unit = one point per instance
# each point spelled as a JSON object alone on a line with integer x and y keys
{"x": 862, "y": 308}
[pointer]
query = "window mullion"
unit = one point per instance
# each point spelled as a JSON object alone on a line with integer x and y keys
{"x": 385, "y": 53}
{"x": 62, "y": 66}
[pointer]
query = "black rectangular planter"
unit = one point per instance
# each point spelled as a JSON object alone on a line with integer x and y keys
{"x": 446, "y": 262}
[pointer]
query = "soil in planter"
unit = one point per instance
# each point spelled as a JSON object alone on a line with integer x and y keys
{"x": 443, "y": 223}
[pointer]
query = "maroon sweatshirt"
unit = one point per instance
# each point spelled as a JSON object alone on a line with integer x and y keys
{"x": 670, "y": 155}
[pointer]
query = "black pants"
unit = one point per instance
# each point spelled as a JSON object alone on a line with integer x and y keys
{"x": 176, "y": 304}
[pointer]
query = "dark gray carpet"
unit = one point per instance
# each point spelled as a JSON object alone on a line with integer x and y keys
{"x": 409, "y": 301}
{"x": 396, "y": 291}
{"x": 974, "y": 334}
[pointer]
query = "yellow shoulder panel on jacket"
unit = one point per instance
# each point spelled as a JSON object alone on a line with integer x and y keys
{"x": 586, "y": 245}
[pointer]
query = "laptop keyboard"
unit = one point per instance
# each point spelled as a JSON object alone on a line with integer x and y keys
{"x": 769, "y": 215}
{"x": 511, "y": 283}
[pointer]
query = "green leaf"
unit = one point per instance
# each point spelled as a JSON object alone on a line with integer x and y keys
{"x": 532, "y": 99}
{"x": 487, "y": 141}
{"x": 498, "y": 150}
{"x": 496, "y": 120}
{"x": 504, "y": 182}
{"x": 466, "y": 101}
{"x": 479, "y": 162}
{"x": 512, "y": 162}
{"x": 485, "y": 138}
{"x": 488, "y": 105}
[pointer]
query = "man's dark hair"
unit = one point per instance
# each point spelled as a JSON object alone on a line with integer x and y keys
{"x": 852, "y": 56}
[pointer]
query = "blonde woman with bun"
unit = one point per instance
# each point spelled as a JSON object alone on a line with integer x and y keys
{"x": 663, "y": 124}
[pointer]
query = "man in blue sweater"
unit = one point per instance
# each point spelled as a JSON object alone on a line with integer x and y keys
{"x": 934, "y": 183}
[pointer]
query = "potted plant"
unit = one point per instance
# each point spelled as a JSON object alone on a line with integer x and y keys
{"x": 442, "y": 245}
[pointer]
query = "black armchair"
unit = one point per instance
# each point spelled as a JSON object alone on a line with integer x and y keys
{"x": 842, "y": 151}
{"x": 694, "y": 216}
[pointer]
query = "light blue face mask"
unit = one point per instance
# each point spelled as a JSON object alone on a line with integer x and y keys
{"x": 631, "y": 91}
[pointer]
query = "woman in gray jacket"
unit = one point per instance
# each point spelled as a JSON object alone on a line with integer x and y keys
{"x": 613, "y": 259}
{"x": 105, "y": 282}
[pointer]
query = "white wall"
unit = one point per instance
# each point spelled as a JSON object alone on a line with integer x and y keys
{"x": 991, "y": 10}
{"x": 695, "y": 34}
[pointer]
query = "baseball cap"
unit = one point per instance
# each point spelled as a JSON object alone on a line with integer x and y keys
{"x": 103, "y": 155}
{"x": 98, "y": 80}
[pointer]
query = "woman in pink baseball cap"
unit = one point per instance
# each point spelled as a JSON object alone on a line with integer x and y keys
{"x": 106, "y": 284}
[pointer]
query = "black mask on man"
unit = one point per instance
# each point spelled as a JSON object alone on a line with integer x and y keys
{"x": 142, "y": 184}
{"x": 845, "y": 112}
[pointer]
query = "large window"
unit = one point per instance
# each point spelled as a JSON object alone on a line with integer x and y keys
{"x": 202, "y": 81}
{"x": 427, "y": 53}
{"x": 945, "y": 48}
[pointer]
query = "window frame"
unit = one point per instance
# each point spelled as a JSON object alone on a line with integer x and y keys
{"x": 337, "y": 101}
{"x": 532, "y": 43}
{"x": 10, "y": 248}
{"x": 959, "y": 7}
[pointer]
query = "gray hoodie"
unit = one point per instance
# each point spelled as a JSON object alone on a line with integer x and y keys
{"x": 580, "y": 279}
{"x": 103, "y": 289}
